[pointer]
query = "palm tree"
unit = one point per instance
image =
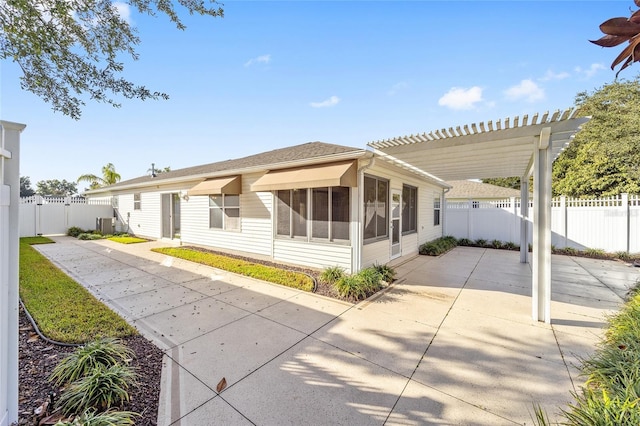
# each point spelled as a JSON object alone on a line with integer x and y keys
{"x": 109, "y": 177}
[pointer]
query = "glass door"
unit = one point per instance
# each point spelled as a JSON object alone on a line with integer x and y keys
{"x": 396, "y": 227}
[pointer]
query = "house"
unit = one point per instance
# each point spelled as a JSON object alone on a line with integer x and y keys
{"x": 469, "y": 190}
{"x": 315, "y": 205}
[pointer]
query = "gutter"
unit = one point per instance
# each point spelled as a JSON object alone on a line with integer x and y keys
{"x": 356, "y": 262}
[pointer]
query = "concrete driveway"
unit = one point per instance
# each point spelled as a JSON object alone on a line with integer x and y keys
{"x": 451, "y": 342}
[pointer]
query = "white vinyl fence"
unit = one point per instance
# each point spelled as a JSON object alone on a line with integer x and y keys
{"x": 55, "y": 215}
{"x": 611, "y": 224}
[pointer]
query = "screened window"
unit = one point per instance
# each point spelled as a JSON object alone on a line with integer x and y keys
{"x": 436, "y": 211}
{"x": 137, "y": 204}
{"x": 376, "y": 194}
{"x": 409, "y": 209}
{"x": 224, "y": 211}
{"x": 317, "y": 213}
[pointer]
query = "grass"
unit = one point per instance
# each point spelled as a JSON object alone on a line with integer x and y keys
{"x": 126, "y": 239}
{"x": 255, "y": 270}
{"x": 63, "y": 309}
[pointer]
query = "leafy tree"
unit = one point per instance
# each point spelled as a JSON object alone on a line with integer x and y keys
{"x": 604, "y": 157}
{"x": 70, "y": 50}
{"x": 109, "y": 177}
{"x": 509, "y": 182}
{"x": 25, "y": 187}
{"x": 56, "y": 188}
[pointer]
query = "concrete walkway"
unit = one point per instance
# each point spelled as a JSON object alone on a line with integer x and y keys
{"x": 451, "y": 342}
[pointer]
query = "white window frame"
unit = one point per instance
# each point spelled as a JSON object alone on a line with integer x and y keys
{"x": 223, "y": 211}
{"x": 137, "y": 201}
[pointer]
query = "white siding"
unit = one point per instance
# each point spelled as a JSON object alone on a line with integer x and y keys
{"x": 314, "y": 255}
{"x": 144, "y": 222}
{"x": 255, "y": 234}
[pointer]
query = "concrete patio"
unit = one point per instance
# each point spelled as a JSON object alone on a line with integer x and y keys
{"x": 450, "y": 342}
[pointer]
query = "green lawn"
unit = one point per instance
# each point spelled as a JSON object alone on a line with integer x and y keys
{"x": 63, "y": 309}
{"x": 267, "y": 273}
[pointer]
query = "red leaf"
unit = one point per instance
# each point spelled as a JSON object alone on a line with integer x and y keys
{"x": 610, "y": 40}
{"x": 620, "y": 27}
{"x": 635, "y": 18}
{"x": 626, "y": 52}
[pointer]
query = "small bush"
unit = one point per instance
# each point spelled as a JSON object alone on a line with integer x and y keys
{"x": 351, "y": 287}
{"x": 438, "y": 246}
{"x": 332, "y": 274}
{"x": 496, "y": 244}
{"x": 510, "y": 246}
{"x": 623, "y": 255}
{"x": 108, "y": 418}
{"x": 104, "y": 352}
{"x": 74, "y": 231}
{"x": 593, "y": 252}
{"x": 90, "y": 236}
{"x": 480, "y": 242}
{"x": 371, "y": 279}
{"x": 387, "y": 273}
{"x": 101, "y": 389}
{"x": 465, "y": 242}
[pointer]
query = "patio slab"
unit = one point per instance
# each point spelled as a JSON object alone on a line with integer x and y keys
{"x": 451, "y": 342}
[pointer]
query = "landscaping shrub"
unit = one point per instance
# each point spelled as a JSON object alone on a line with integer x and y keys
{"x": 438, "y": 246}
{"x": 623, "y": 255}
{"x": 104, "y": 352}
{"x": 387, "y": 273}
{"x": 465, "y": 242}
{"x": 496, "y": 244}
{"x": 108, "y": 418}
{"x": 74, "y": 231}
{"x": 510, "y": 246}
{"x": 332, "y": 274}
{"x": 101, "y": 389}
{"x": 481, "y": 242}
{"x": 90, "y": 236}
{"x": 371, "y": 279}
{"x": 593, "y": 252}
{"x": 359, "y": 286}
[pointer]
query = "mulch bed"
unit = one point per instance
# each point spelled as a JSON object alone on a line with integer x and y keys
{"x": 37, "y": 358}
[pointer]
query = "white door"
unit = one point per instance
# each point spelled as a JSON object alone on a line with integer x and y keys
{"x": 396, "y": 226}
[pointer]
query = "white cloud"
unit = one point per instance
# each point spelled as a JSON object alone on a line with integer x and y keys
{"x": 123, "y": 10}
{"x": 591, "y": 71}
{"x": 262, "y": 59}
{"x": 460, "y": 98}
{"x": 527, "y": 90}
{"x": 550, "y": 75}
{"x": 397, "y": 88}
{"x": 332, "y": 101}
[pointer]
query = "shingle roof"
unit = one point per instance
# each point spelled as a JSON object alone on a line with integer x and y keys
{"x": 477, "y": 190}
{"x": 269, "y": 159}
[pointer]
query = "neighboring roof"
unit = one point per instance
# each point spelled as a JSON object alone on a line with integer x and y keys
{"x": 500, "y": 149}
{"x": 275, "y": 159}
{"x": 468, "y": 189}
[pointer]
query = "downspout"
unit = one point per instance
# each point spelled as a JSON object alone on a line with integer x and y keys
{"x": 356, "y": 261}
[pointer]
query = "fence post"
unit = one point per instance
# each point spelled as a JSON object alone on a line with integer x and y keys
{"x": 563, "y": 219}
{"x": 627, "y": 214}
{"x": 469, "y": 224}
{"x": 38, "y": 227}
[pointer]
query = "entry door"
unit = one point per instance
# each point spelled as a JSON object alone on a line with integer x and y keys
{"x": 170, "y": 215}
{"x": 396, "y": 226}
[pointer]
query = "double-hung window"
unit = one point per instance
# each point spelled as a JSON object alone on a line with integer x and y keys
{"x": 137, "y": 203}
{"x": 224, "y": 211}
{"x": 409, "y": 209}
{"x": 436, "y": 211}
{"x": 320, "y": 214}
{"x": 376, "y": 195}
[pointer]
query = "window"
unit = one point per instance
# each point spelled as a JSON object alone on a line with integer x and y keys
{"x": 376, "y": 193}
{"x": 224, "y": 211}
{"x": 436, "y": 211}
{"x": 409, "y": 209}
{"x": 137, "y": 204}
{"x": 316, "y": 214}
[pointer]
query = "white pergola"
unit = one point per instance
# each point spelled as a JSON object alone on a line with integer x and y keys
{"x": 521, "y": 147}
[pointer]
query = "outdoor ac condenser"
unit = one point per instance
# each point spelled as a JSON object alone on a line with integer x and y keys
{"x": 104, "y": 225}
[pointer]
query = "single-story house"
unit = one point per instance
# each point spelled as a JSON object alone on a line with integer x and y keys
{"x": 316, "y": 205}
{"x": 477, "y": 192}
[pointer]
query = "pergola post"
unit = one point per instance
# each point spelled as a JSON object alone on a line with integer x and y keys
{"x": 524, "y": 213}
{"x": 541, "y": 259}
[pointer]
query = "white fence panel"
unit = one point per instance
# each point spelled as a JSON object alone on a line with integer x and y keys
{"x": 611, "y": 224}
{"x": 54, "y": 216}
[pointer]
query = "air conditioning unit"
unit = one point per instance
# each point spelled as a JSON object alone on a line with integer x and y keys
{"x": 104, "y": 225}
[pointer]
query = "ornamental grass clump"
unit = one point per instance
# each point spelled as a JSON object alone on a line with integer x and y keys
{"x": 332, "y": 274}
{"x": 359, "y": 286}
{"x": 438, "y": 246}
{"x": 101, "y": 353}
{"x": 91, "y": 417}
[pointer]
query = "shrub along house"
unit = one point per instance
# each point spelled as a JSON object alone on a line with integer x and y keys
{"x": 315, "y": 204}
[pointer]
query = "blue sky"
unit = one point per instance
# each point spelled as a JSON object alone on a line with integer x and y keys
{"x": 275, "y": 74}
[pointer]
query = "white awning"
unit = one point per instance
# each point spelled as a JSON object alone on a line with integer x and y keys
{"x": 224, "y": 185}
{"x": 332, "y": 174}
